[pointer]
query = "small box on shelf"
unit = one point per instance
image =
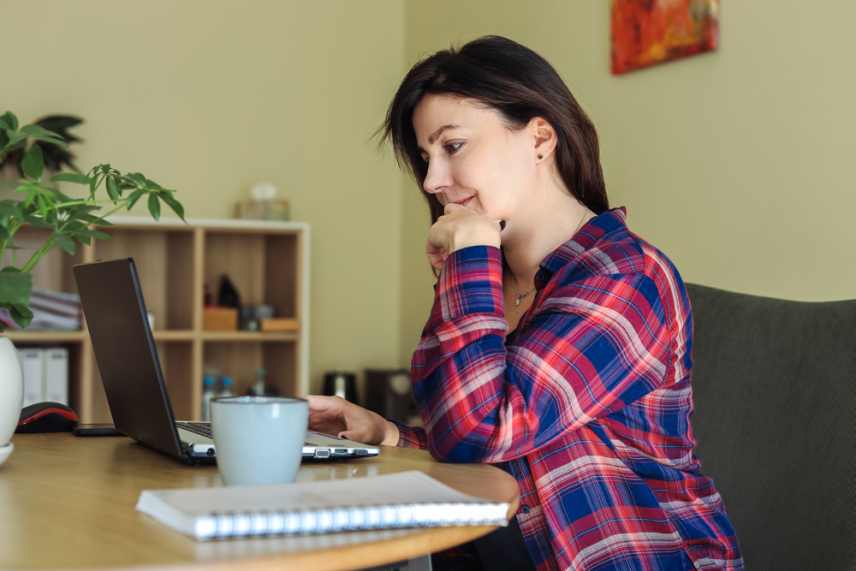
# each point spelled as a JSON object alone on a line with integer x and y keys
{"x": 279, "y": 324}
{"x": 216, "y": 318}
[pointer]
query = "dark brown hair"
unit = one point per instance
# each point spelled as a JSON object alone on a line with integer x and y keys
{"x": 517, "y": 82}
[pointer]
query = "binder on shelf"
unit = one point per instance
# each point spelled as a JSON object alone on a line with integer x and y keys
{"x": 55, "y": 367}
{"x": 31, "y": 367}
{"x": 45, "y": 372}
{"x": 403, "y": 500}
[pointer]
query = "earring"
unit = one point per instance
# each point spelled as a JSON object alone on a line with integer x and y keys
{"x": 540, "y": 157}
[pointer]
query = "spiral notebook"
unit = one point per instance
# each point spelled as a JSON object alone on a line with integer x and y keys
{"x": 406, "y": 499}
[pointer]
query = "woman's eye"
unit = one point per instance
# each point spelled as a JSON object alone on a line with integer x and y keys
{"x": 453, "y": 148}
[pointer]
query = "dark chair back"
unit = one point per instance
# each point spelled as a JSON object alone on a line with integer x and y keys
{"x": 774, "y": 384}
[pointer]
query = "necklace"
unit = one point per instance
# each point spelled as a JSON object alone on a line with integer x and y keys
{"x": 521, "y": 296}
{"x": 518, "y": 297}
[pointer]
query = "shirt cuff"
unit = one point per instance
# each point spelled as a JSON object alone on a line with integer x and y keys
{"x": 410, "y": 436}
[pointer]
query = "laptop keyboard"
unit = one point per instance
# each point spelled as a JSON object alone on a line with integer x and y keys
{"x": 200, "y": 428}
{"x": 204, "y": 429}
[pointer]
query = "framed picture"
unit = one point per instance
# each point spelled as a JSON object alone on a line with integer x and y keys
{"x": 648, "y": 32}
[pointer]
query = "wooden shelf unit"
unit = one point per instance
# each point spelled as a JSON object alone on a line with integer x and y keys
{"x": 267, "y": 261}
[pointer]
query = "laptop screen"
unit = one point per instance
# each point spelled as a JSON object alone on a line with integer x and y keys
{"x": 126, "y": 353}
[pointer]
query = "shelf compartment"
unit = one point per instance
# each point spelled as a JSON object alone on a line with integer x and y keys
{"x": 263, "y": 268}
{"x": 164, "y": 261}
{"x": 240, "y": 360}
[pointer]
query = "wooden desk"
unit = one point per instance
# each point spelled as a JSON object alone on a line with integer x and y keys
{"x": 68, "y": 502}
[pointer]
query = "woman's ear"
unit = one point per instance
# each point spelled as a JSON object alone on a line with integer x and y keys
{"x": 543, "y": 137}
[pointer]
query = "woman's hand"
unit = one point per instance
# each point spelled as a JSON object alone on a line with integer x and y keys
{"x": 335, "y": 415}
{"x": 460, "y": 227}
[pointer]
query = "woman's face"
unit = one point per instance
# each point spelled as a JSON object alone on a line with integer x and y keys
{"x": 473, "y": 157}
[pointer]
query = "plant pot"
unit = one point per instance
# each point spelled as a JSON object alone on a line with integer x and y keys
{"x": 11, "y": 394}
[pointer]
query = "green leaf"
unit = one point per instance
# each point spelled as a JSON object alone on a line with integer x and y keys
{"x": 31, "y": 191}
{"x": 36, "y": 221}
{"x": 174, "y": 204}
{"x": 154, "y": 206}
{"x": 14, "y": 139}
{"x": 152, "y": 184}
{"x": 73, "y": 227}
{"x": 15, "y": 287}
{"x": 21, "y": 314}
{"x": 58, "y": 196}
{"x": 113, "y": 189}
{"x": 9, "y": 121}
{"x": 42, "y": 204}
{"x": 41, "y": 134}
{"x": 134, "y": 181}
{"x": 94, "y": 181}
{"x": 97, "y": 220}
{"x": 135, "y": 196}
{"x": 33, "y": 162}
{"x": 66, "y": 243}
{"x": 74, "y": 177}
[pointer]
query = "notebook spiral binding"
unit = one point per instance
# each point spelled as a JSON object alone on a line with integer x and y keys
{"x": 217, "y": 525}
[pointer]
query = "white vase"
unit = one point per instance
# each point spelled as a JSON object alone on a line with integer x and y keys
{"x": 11, "y": 394}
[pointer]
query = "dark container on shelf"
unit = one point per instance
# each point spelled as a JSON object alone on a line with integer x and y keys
{"x": 389, "y": 393}
{"x": 342, "y": 384}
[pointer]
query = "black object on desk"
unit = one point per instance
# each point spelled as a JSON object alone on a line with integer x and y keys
{"x": 46, "y": 416}
{"x": 96, "y": 430}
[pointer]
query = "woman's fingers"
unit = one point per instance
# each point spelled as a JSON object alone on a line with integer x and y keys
{"x": 335, "y": 415}
{"x": 349, "y": 435}
{"x": 319, "y": 403}
{"x": 326, "y": 414}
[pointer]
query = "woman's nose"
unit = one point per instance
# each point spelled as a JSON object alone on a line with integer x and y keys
{"x": 437, "y": 178}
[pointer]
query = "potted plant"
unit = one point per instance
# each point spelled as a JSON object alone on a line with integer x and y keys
{"x": 68, "y": 222}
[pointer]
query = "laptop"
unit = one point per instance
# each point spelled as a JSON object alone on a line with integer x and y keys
{"x": 127, "y": 359}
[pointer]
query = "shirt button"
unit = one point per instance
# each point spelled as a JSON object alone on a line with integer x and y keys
{"x": 524, "y": 509}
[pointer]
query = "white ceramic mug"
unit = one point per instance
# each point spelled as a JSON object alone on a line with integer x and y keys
{"x": 259, "y": 440}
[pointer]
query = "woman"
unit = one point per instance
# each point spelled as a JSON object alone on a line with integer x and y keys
{"x": 559, "y": 343}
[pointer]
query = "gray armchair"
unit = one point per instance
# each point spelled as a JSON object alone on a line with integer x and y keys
{"x": 775, "y": 421}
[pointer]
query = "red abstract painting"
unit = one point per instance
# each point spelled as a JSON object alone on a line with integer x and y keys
{"x": 648, "y": 32}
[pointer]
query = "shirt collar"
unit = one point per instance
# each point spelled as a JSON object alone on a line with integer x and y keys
{"x": 585, "y": 238}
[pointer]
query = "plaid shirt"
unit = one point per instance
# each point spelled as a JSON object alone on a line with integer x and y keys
{"x": 587, "y": 403}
